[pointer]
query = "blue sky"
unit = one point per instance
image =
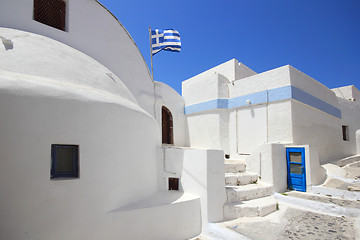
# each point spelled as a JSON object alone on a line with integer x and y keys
{"x": 319, "y": 37}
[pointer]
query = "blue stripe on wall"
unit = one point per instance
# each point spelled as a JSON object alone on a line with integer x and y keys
{"x": 310, "y": 100}
{"x": 272, "y": 95}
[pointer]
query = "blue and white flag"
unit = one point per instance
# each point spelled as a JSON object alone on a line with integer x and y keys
{"x": 165, "y": 39}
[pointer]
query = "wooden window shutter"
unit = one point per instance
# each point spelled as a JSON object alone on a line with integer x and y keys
{"x": 50, "y": 12}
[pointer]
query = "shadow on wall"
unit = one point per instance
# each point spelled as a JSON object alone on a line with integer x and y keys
{"x": 8, "y": 44}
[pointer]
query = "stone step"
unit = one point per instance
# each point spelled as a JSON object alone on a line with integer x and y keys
{"x": 253, "y": 208}
{"x": 235, "y": 166}
{"x": 247, "y": 192}
{"x": 237, "y": 179}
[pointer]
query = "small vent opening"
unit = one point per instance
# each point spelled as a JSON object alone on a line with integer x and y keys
{"x": 173, "y": 184}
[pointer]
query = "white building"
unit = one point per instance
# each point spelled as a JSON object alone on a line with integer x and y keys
{"x": 81, "y": 149}
{"x": 258, "y": 116}
{"x": 92, "y": 148}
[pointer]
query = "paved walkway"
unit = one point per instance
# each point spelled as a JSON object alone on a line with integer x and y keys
{"x": 332, "y": 215}
{"x": 295, "y": 223}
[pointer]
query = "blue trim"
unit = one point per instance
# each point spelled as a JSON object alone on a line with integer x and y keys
{"x": 310, "y": 100}
{"x": 281, "y": 93}
{"x": 271, "y": 95}
{"x": 255, "y": 98}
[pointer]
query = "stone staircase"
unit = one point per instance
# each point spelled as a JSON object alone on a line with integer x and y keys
{"x": 246, "y": 195}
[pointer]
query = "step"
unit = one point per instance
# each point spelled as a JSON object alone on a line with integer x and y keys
{"x": 253, "y": 208}
{"x": 235, "y": 166}
{"x": 247, "y": 192}
{"x": 237, "y": 179}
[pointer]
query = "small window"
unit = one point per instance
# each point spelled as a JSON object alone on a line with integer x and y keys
{"x": 173, "y": 184}
{"x": 345, "y": 133}
{"x": 167, "y": 126}
{"x": 64, "y": 161}
{"x": 50, "y": 12}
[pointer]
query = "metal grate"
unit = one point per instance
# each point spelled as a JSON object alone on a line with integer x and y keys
{"x": 50, "y": 12}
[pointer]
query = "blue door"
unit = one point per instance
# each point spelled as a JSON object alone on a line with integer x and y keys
{"x": 296, "y": 177}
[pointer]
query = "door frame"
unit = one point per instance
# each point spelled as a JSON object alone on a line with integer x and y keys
{"x": 302, "y": 150}
{"x": 167, "y": 128}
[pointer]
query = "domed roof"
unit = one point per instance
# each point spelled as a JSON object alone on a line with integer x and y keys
{"x": 42, "y": 59}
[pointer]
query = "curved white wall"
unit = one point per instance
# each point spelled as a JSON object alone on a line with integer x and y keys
{"x": 112, "y": 169}
{"x": 51, "y": 93}
{"x": 168, "y": 97}
{"x": 94, "y": 31}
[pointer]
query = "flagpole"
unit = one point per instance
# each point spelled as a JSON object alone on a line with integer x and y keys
{"x": 152, "y": 69}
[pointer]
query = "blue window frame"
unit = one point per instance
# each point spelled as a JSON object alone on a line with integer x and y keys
{"x": 64, "y": 161}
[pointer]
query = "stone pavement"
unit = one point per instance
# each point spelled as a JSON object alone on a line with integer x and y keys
{"x": 330, "y": 215}
{"x": 311, "y": 225}
{"x": 295, "y": 223}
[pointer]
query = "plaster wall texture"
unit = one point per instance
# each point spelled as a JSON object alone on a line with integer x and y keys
{"x": 209, "y": 130}
{"x": 242, "y": 71}
{"x": 204, "y": 88}
{"x": 111, "y": 45}
{"x": 269, "y": 162}
{"x": 168, "y": 97}
{"x": 275, "y": 78}
{"x": 280, "y": 122}
{"x": 109, "y": 157}
{"x": 258, "y": 124}
{"x": 251, "y": 128}
{"x": 35, "y": 56}
{"x": 201, "y": 173}
{"x": 51, "y": 93}
{"x": 319, "y": 130}
{"x": 347, "y": 92}
{"x": 350, "y": 112}
{"x": 231, "y": 70}
{"x": 311, "y": 86}
{"x": 315, "y": 173}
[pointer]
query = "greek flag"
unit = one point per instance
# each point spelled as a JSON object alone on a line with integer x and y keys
{"x": 165, "y": 39}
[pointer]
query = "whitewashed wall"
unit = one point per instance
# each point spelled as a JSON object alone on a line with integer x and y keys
{"x": 207, "y": 129}
{"x": 275, "y": 78}
{"x": 231, "y": 70}
{"x": 203, "y": 88}
{"x": 96, "y": 32}
{"x": 269, "y": 162}
{"x": 315, "y": 127}
{"x": 348, "y": 93}
{"x": 350, "y": 117}
{"x": 201, "y": 172}
{"x": 251, "y": 126}
{"x": 168, "y": 97}
{"x": 53, "y": 94}
{"x": 319, "y": 130}
{"x": 111, "y": 165}
{"x": 256, "y": 124}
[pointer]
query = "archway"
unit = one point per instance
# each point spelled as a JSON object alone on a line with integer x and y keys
{"x": 167, "y": 126}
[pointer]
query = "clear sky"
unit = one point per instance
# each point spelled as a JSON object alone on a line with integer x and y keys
{"x": 318, "y": 37}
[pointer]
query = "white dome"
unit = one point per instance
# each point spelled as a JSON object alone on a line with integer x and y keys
{"x": 46, "y": 61}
